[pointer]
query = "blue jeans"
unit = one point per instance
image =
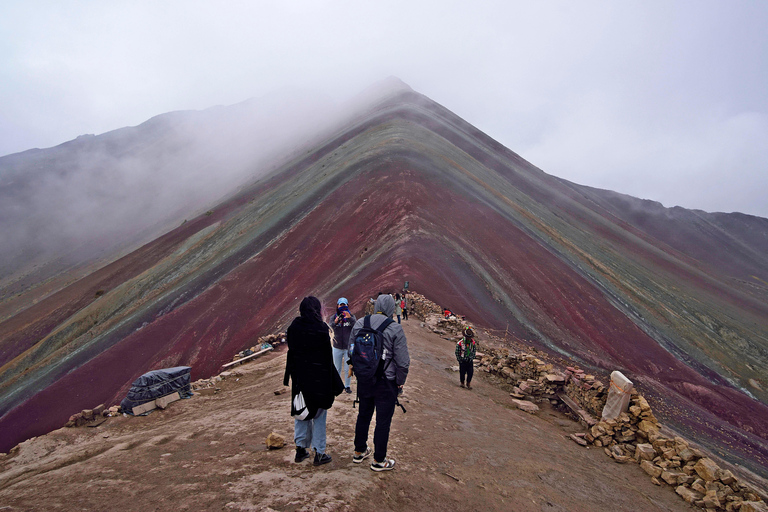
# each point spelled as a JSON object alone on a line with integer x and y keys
{"x": 340, "y": 362}
{"x": 311, "y": 433}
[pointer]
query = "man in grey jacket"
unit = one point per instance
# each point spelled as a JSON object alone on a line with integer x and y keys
{"x": 381, "y": 397}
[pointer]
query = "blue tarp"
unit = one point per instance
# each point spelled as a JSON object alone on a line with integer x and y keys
{"x": 158, "y": 383}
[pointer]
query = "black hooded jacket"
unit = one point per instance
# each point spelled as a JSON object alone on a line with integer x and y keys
{"x": 309, "y": 362}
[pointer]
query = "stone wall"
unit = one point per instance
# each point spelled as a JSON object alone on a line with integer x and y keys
{"x": 632, "y": 437}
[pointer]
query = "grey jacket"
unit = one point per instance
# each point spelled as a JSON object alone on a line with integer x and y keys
{"x": 395, "y": 344}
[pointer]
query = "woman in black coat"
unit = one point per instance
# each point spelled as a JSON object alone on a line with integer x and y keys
{"x": 309, "y": 364}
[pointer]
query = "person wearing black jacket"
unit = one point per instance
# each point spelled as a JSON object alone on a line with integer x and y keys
{"x": 309, "y": 364}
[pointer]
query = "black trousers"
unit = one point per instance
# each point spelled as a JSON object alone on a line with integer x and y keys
{"x": 405, "y": 313}
{"x": 466, "y": 368}
{"x": 380, "y": 397}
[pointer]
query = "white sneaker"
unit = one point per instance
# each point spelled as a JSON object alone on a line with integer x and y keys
{"x": 386, "y": 465}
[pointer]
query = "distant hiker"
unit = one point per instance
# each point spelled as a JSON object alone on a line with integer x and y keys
{"x": 309, "y": 364}
{"x": 404, "y": 306}
{"x": 342, "y": 322}
{"x": 378, "y": 383}
{"x": 398, "y": 307}
{"x": 465, "y": 355}
{"x": 447, "y": 313}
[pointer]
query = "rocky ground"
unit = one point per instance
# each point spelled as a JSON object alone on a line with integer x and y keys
{"x": 455, "y": 449}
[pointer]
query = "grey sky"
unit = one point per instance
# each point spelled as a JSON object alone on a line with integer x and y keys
{"x": 662, "y": 100}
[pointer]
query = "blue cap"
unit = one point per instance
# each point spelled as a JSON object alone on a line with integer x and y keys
{"x": 342, "y": 301}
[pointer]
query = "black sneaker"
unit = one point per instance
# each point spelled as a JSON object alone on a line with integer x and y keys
{"x": 386, "y": 465}
{"x": 301, "y": 454}
{"x": 348, "y": 390}
{"x": 322, "y": 458}
{"x": 357, "y": 458}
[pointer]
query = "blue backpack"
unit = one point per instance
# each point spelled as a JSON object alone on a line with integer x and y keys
{"x": 365, "y": 352}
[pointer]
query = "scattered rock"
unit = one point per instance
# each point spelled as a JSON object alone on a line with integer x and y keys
{"x": 578, "y": 440}
{"x": 707, "y": 469}
{"x": 753, "y": 506}
{"x": 689, "y": 495}
{"x": 650, "y": 468}
{"x": 275, "y": 441}
{"x": 525, "y": 405}
{"x": 645, "y": 451}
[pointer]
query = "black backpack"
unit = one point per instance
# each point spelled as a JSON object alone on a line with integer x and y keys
{"x": 365, "y": 352}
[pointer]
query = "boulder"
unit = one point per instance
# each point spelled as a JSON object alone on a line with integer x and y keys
{"x": 687, "y": 455}
{"x": 711, "y": 500}
{"x": 275, "y": 441}
{"x": 726, "y": 476}
{"x": 525, "y": 405}
{"x": 650, "y": 468}
{"x": 689, "y": 495}
{"x": 671, "y": 476}
{"x": 707, "y": 469}
{"x": 648, "y": 427}
{"x": 578, "y": 440}
{"x": 753, "y": 506}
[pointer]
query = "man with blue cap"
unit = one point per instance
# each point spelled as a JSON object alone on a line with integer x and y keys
{"x": 342, "y": 323}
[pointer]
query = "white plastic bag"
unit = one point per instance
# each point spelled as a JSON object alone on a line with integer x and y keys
{"x": 618, "y": 396}
{"x": 299, "y": 407}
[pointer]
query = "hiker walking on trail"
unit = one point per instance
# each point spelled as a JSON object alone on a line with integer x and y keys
{"x": 341, "y": 323}
{"x": 466, "y": 348}
{"x": 404, "y": 306}
{"x": 309, "y": 364}
{"x": 380, "y": 371}
{"x": 398, "y": 307}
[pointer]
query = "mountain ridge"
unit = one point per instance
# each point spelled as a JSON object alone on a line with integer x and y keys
{"x": 463, "y": 218}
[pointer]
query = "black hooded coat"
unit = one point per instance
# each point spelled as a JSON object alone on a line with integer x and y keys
{"x": 309, "y": 362}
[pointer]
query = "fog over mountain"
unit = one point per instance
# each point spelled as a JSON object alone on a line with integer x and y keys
{"x": 98, "y": 194}
{"x": 660, "y": 100}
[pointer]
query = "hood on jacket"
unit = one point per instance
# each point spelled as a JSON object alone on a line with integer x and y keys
{"x": 386, "y": 304}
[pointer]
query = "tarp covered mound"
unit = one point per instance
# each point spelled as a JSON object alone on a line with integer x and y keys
{"x": 156, "y": 384}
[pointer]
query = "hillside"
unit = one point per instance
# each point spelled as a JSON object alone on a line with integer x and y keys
{"x": 408, "y": 191}
{"x": 455, "y": 448}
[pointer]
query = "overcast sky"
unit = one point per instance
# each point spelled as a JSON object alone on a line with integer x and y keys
{"x": 661, "y": 100}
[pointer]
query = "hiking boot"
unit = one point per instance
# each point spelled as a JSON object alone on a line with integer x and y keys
{"x": 301, "y": 454}
{"x": 321, "y": 458}
{"x": 359, "y": 457}
{"x": 348, "y": 390}
{"x": 386, "y": 465}
{"x": 469, "y": 387}
{"x": 461, "y": 385}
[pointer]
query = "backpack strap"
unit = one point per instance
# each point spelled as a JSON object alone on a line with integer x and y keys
{"x": 386, "y": 323}
{"x": 367, "y": 322}
{"x": 381, "y": 328}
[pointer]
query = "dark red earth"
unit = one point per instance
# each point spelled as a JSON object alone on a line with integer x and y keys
{"x": 413, "y": 193}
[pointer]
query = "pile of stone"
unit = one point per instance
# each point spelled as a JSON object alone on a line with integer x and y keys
{"x": 695, "y": 477}
{"x": 420, "y": 307}
{"x": 530, "y": 377}
{"x": 93, "y": 417}
{"x": 450, "y": 327}
{"x": 621, "y": 437}
{"x": 634, "y": 436}
{"x": 586, "y": 390}
{"x": 268, "y": 340}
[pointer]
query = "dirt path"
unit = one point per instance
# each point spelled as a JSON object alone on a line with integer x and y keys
{"x": 455, "y": 449}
